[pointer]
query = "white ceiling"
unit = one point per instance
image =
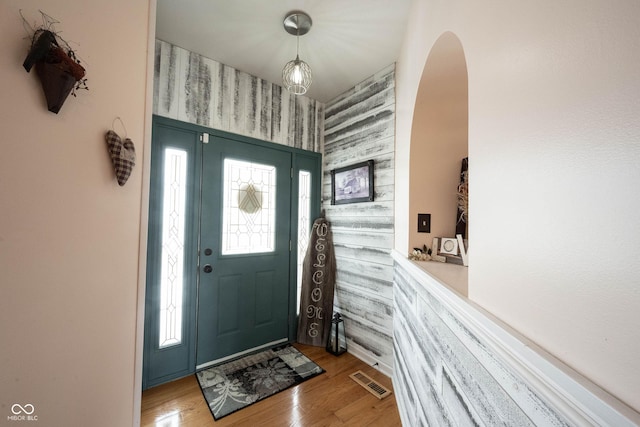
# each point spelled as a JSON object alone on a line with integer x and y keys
{"x": 349, "y": 41}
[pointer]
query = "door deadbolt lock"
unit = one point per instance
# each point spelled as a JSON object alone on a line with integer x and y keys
{"x": 208, "y": 251}
{"x": 207, "y": 268}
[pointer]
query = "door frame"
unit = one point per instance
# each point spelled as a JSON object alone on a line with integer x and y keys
{"x": 300, "y": 160}
{"x": 153, "y": 256}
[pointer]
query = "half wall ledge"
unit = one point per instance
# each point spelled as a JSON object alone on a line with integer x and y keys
{"x": 474, "y": 367}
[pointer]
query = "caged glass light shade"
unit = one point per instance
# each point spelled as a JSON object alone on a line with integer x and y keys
{"x": 296, "y": 74}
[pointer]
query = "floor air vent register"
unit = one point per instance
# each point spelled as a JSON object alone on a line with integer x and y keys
{"x": 372, "y": 386}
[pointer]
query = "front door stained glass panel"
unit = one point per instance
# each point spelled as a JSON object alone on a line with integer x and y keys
{"x": 172, "y": 258}
{"x": 304, "y": 225}
{"x": 248, "y": 220}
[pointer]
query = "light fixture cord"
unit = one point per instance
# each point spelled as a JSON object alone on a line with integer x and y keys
{"x": 297, "y": 38}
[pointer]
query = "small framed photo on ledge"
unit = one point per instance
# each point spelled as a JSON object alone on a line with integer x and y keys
{"x": 352, "y": 184}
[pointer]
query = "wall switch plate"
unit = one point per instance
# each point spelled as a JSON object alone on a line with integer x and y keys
{"x": 424, "y": 223}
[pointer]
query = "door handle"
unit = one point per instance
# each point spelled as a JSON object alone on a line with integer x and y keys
{"x": 207, "y": 268}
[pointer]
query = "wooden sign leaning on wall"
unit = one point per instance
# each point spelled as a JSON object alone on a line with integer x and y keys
{"x": 318, "y": 282}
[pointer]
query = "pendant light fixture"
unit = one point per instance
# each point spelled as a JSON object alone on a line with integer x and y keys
{"x": 296, "y": 75}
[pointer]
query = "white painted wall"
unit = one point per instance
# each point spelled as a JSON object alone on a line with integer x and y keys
{"x": 69, "y": 235}
{"x": 554, "y": 144}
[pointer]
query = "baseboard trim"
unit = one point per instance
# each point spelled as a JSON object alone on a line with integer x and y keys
{"x": 371, "y": 361}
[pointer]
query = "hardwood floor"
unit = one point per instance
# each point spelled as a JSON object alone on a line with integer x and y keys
{"x": 330, "y": 399}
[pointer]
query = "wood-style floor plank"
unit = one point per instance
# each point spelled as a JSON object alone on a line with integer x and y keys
{"x": 330, "y": 399}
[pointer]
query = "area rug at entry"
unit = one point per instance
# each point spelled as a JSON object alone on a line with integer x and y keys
{"x": 237, "y": 384}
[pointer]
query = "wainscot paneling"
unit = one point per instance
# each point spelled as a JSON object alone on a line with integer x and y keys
{"x": 359, "y": 126}
{"x": 456, "y": 365}
{"x": 194, "y": 89}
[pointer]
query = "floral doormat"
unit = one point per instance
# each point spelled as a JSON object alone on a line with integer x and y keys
{"x": 237, "y": 384}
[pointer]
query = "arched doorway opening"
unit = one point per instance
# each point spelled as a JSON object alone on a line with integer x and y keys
{"x": 439, "y": 141}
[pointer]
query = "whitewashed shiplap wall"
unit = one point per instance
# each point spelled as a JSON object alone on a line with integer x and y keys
{"x": 356, "y": 126}
{"x": 359, "y": 126}
{"x": 195, "y": 89}
{"x": 457, "y": 366}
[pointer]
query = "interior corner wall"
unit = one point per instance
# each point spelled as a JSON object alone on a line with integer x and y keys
{"x": 553, "y": 143}
{"x": 69, "y": 234}
{"x": 194, "y": 89}
{"x": 359, "y": 126}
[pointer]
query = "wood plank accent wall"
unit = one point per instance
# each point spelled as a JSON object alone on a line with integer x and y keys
{"x": 360, "y": 125}
{"x": 455, "y": 365}
{"x": 356, "y": 126}
{"x": 195, "y": 89}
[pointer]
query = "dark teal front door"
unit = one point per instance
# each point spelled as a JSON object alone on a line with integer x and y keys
{"x": 243, "y": 299}
{"x": 224, "y": 227}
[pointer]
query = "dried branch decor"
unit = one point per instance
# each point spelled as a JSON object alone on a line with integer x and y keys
{"x": 56, "y": 63}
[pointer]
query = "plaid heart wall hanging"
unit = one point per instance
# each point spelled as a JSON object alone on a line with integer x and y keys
{"x": 123, "y": 156}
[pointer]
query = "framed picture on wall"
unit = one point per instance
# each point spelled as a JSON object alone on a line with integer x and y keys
{"x": 352, "y": 184}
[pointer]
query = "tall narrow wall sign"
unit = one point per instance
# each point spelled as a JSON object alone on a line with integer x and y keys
{"x": 462, "y": 219}
{"x": 318, "y": 282}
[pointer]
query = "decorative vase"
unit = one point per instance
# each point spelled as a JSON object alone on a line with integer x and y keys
{"x": 56, "y": 83}
{"x": 56, "y": 65}
{"x": 58, "y": 70}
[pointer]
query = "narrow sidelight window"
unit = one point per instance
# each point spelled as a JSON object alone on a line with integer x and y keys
{"x": 304, "y": 224}
{"x": 172, "y": 258}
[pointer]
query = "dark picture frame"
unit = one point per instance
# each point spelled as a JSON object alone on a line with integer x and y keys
{"x": 352, "y": 184}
